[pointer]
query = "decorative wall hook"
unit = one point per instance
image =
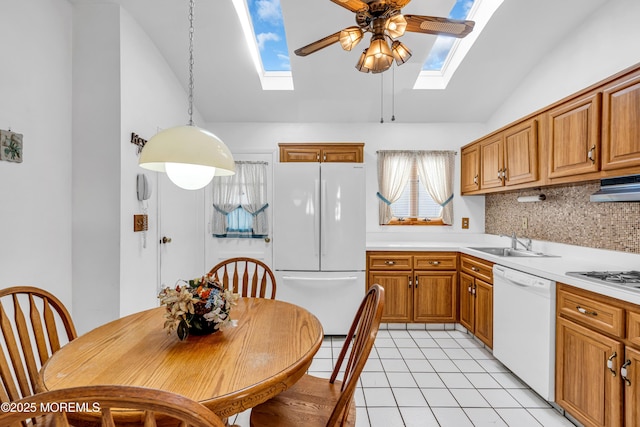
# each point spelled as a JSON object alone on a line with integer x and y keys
{"x": 140, "y": 142}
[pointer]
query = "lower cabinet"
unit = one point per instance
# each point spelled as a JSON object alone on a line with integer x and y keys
{"x": 597, "y": 358}
{"x": 476, "y": 297}
{"x": 419, "y": 286}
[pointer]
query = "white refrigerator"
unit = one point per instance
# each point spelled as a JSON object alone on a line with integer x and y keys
{"x": 319, "y": 239}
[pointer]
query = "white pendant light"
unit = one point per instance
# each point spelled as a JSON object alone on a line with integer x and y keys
{"x": 189, "y": 155}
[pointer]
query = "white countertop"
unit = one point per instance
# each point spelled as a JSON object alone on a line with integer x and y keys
{"x": 566, "y": 258}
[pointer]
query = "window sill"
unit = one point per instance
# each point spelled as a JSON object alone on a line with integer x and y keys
{"x": 416, "y": 221}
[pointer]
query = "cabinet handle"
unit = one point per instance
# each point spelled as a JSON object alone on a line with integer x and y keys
{"x": 585, "y": 311}
{"x": 504, "y": 174}
{"x": 318, "y": 157}
{"x": 416, "y": 282}
{"x": 473, "y": 292}
{"x": 324, "y": 157}
{"x": 623, "y": 372}
{"x": 475, "y": 179}
{"x": 390, "y": 262}
{"x": 434, "y": 262}
{"x": 410, "y": 283}
{"x": 610, "y": 363}
{"x": 475, "y": 269}
{"x": 591, "y": 154}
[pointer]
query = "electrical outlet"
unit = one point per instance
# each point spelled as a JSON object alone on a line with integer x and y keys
{"x": 525, "y": 223}
{"x": 465, "y": 223}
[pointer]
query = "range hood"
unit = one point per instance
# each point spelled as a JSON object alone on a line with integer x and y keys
{"x": 620, "y": 189}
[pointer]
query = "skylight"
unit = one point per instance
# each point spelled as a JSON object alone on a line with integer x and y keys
{"x": 448, "y": 52}
{"x": 263, "y": 29}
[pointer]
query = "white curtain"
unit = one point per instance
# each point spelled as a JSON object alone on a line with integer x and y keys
{"x": 255, "y": 190}
{"x": 435, "y": 170}
{"x": 246, "y": 189}
{"x": 394, "y": 170}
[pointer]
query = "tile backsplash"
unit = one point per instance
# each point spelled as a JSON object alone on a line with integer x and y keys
{"x": 566, "y": 216}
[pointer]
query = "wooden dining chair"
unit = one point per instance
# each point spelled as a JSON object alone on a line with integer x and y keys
{"x": 248, "y": 277}
{"x": 109, "y": 406}
{"x": 320, "y": 402}
{"x": 30, "y": 319}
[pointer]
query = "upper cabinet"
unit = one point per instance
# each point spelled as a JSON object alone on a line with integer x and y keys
{"x": 589, "y": 135}
{"x": 503, "y": 159}
{"x": 573, "y": 137}
{"x": 621, "y": 123}
{"x": 328, "y": 152}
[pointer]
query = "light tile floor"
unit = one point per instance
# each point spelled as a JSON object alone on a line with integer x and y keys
{"x": 443, "y": 378}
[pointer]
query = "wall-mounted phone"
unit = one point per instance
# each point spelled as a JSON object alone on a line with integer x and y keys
{"x": 144, "y": 188}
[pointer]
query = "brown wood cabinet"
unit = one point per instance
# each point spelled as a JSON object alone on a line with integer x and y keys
{"x": 574, "y": 137}
{"x": 470, "y": 169}
{"x": 476, "y": 297}
{"x": 592, "y": 134}
{"x": 327, "y": 152}
{"x": 621, "y": 123}
{"x": 419, "y": 286}
{"x": 597, "y": 358}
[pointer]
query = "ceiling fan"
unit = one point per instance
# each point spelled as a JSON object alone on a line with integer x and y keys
{"x": 384, "y": 20}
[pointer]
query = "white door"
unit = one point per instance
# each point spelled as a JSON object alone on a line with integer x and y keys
{"x": 219, "y": 249}
{"x": 180, "y": 232}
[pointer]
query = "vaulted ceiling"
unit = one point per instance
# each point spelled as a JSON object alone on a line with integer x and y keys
{"x": 327, "y": 86}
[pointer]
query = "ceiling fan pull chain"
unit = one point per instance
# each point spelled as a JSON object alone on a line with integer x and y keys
{"x": 381, "y": 97}
{"x": 393, "y": 93}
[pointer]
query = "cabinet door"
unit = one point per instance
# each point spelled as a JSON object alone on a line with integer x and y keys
{"x": 585, "y": 386}
{"x": 491, "y": 162}
{"x": 621, "y": 123}
{"x": 435, "y": 297}
{"x": 484, "y": 312}
{"x": 632, "y": 388}
{"x": 521, "y": 153}
{"x": 347, "y": 153}
{"x": 465, "y": 294}
{"x": 299, "y": 154}
{"x": 470, "y": 169}
{"x": 398, "y": 294}
{"x": 574, "y": 137}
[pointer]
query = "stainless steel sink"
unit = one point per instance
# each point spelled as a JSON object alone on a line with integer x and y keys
{"x": 509, "y": 252}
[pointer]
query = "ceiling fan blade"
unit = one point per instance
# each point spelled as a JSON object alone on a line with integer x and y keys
{"x": 318, "y": 44}
{"x": 439, "y": 26}
{"x": 352, "y": 5}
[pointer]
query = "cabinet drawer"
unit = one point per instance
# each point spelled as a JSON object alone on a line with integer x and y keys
{"x": 436, "y": 261}
{"x": 389, "y": 261}
{"x": 593, "y": 313}
{"x": 477, "y": 268}
{"x": 633, "y": 328}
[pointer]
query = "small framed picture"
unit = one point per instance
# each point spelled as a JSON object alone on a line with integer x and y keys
{"x": 10, "y": 146}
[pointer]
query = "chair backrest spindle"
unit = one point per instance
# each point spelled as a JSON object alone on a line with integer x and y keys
{"x": 246, "y": 276}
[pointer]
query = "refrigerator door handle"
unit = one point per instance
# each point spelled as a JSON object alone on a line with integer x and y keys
{"x": 316, "y": 218}
{"x": 323, "y": 225}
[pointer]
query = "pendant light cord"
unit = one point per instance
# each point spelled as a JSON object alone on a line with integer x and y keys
{"x": 191, "y": 5}
{"x": 393, "y": 94}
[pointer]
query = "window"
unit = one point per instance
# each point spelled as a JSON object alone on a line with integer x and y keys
{"x": 415, "y": 204}
{"x": 240, "y": 202}
{"x": 415, "y": 187}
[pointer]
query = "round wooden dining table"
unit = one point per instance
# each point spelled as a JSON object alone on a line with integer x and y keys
{"x": 229, "y": 371}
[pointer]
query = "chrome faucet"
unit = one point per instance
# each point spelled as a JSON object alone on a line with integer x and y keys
{"x": 514, "y": 241}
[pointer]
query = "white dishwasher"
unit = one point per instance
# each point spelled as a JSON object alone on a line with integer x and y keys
{"x": 524, "y": 308}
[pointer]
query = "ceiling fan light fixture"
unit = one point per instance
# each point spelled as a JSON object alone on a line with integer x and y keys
{"x": 350, "y": 37}
{"x": 400, "y": 52}
{"x": 396, "y": 26}
{"x": 378, "y": 57}
{"x": 360, "y": 65}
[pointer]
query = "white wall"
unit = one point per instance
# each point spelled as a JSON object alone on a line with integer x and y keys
{"x": 606, "y": 43}
{"x": 376, "y": 136}
{"x": 35, "y": 85}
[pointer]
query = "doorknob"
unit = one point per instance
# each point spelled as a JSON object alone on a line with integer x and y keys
{"x": 267, "y": 239}
{"x": 165, "y": 240}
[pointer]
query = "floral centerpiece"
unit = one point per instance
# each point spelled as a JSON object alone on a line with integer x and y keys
{"x": 200, "y": 306}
